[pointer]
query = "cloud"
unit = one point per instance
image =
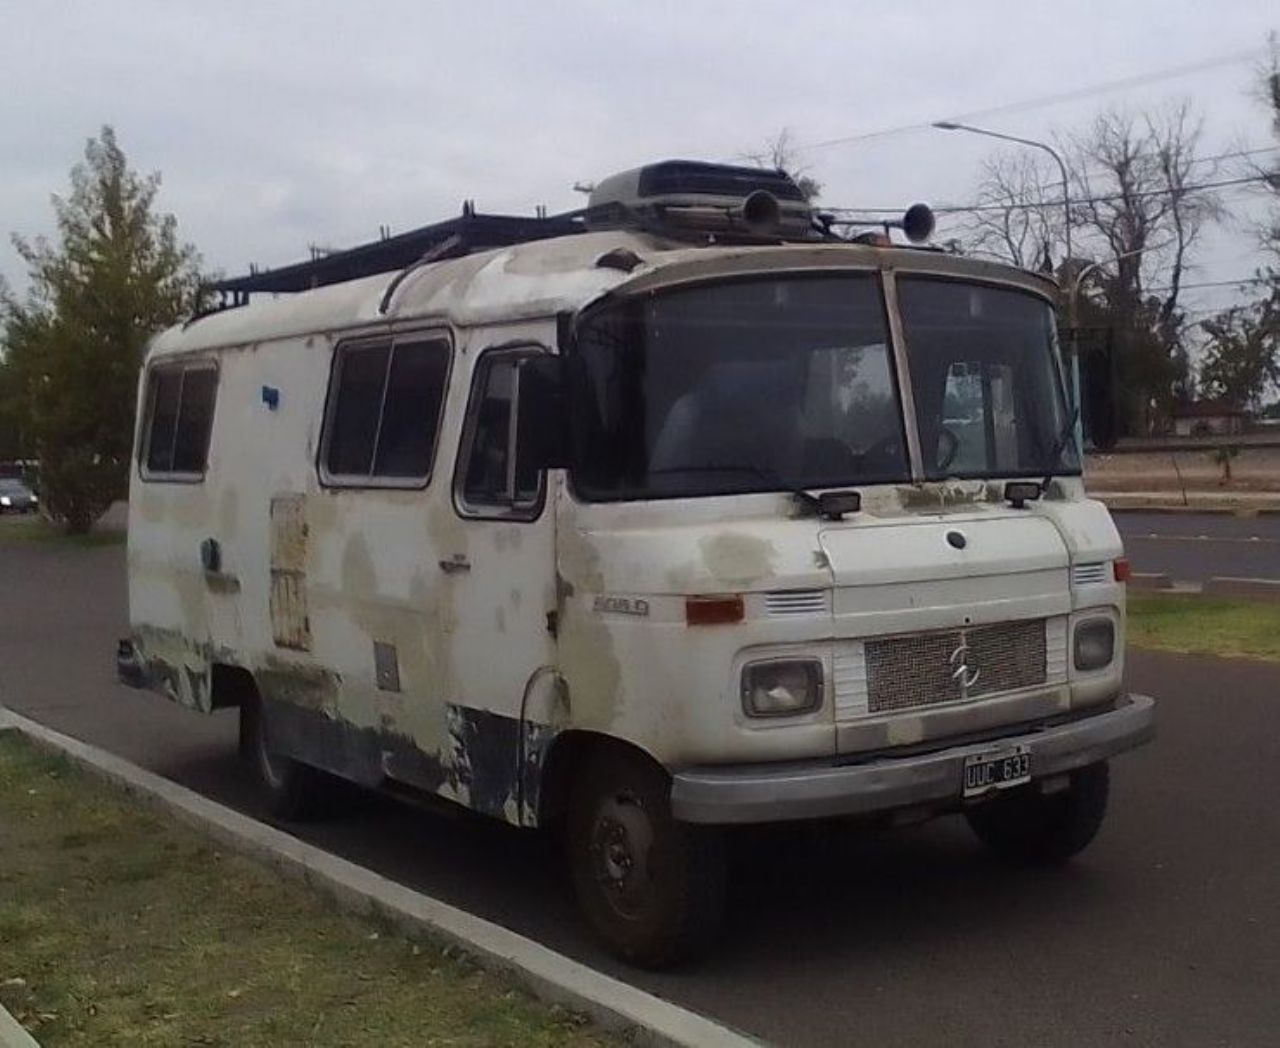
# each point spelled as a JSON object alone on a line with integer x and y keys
{"x": 281, "y": 125}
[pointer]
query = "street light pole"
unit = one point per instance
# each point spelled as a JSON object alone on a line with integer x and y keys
{"x": 951, "y": 125}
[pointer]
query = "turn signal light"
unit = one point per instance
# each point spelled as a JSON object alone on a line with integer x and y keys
{"x": 1121, "y": 568}
{"x": 714, "y": 611}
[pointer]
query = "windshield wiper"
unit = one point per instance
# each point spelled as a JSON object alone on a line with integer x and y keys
{"x": 807, "y": 500}
{"x": 1059, "y": 446}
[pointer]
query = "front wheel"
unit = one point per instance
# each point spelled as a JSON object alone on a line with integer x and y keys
{"x": 1031, "y": 828}
{"x": 651, "y": 887}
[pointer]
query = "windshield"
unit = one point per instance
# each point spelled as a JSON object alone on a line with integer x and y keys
{"x": 988, "y": 395}
{"x": 761, "y": 384}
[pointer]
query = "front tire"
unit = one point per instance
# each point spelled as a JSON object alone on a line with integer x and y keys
{"x": 1033, "y": 829}
{"x": 292, "y": 790}
{"x": 651, "y": 887}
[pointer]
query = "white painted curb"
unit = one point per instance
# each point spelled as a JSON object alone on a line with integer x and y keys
{"x": 548, "y": 975}
{"x": 12, "y": 1033}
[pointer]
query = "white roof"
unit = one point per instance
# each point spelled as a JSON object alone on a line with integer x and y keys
{"x": 536, "y": 279}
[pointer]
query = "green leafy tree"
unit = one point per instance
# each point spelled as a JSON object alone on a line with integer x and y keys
{"x": 1242, "y": 358}
{"x": 73, "y": 346}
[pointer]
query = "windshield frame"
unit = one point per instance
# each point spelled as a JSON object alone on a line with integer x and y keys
{"x": 885, "y": 277}
{"x": 754, "y": 476}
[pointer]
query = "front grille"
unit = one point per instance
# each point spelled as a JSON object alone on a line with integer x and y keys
{"x": 921, "y": 669}
{"x": 1008, "y": 655}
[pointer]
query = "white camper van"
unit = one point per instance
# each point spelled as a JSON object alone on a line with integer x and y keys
{"x": 681, "y": 513}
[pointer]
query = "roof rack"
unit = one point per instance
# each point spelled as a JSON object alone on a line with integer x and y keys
{"x": 453, "y": 238}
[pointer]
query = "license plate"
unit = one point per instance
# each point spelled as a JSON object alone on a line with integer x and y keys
{"x": 997, "y": 770}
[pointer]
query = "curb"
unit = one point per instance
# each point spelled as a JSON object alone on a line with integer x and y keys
{"x": 12, "y": 1033}
{"x": 1150, "y": 581}
{"x": 548, "y": 975}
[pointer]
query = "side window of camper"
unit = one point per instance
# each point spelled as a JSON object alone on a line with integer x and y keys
{"x": 180, "y": 400}
{"x": 385, "y": 400}
{"x": 493, "y": 481}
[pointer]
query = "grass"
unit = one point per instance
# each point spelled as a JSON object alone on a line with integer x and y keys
{"x": 118, "y": 928}
{"x": 35, "y": 528}
{"x": 1205, "y": 626}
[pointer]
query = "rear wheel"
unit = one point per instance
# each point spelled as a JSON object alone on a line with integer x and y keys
{"x": 652, "y": 887}
{"x": 1031, "y": 828}
{"x": 292, "y": 790}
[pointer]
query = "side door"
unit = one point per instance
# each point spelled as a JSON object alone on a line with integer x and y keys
{"x": 501, "y": 582}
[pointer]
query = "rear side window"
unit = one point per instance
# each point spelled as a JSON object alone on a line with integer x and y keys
{"x": 180, "y": 401}
{"x": 385, "y": 400}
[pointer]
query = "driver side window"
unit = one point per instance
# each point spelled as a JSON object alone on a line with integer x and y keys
{"x": 496, "y": 480}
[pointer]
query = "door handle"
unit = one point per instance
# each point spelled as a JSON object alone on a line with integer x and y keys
{"x": 455, "y": 565}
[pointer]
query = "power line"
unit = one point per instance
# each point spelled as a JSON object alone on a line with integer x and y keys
{"x": 1213, "y": 283}
{"x": 965, "y": 209}
{"x": 1141, "y": 79}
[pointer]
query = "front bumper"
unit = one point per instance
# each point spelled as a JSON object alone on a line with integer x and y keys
{"x": 821, "y": 789}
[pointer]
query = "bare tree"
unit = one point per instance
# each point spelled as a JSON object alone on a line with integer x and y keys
{"x": 1019, "y": 214}
{"x": 1136, "y": 181}
{"x": 781, "y": 153}
{"x": 1137, "y": 200}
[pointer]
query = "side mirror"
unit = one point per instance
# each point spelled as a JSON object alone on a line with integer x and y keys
{"x": 542, "y": 431}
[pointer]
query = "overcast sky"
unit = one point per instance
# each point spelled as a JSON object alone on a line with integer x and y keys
{"x": 282, "y": 124}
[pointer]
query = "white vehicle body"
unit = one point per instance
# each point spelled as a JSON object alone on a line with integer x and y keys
{"x": 396, "y": 636}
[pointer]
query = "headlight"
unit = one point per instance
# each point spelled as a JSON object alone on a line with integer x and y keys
{"x": 1095, "y": 644}
{"x": 782, "y": 688}
{"x": 5, "y": 500}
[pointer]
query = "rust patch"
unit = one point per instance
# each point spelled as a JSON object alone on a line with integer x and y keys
{"x": 290, "y": 624}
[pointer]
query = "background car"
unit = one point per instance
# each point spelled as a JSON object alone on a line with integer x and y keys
{"x": 16, "y": 497}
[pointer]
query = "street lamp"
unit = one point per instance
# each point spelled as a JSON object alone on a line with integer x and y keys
{"x": 951, "y": 125}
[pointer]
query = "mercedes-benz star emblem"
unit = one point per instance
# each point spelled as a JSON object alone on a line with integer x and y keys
{"x": 961, "y": 670}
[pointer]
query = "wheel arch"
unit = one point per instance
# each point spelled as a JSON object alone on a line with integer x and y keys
{"x": 565, "y": 756}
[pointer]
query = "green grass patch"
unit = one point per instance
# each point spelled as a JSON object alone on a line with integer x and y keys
{"x": 31, "y": 527}
{"x": 1204, "y": 626}
{"x": 120, "y": 928}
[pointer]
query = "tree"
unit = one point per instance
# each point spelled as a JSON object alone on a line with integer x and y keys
{"x": 74, "y": 345}
{"x": 1136, "y": 209}
{"x": 1019, "y": 214}
{"x": 779, "y": 153}
{"x": 1135, "y": 185}
{"x": 1242, "y": 358}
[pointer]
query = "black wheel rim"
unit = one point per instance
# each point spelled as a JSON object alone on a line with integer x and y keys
{"x": 621, "y": 850}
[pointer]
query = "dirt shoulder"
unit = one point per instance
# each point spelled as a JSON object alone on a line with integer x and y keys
{"x": 119, "y": 929}
{"x": 1253, "y": 470}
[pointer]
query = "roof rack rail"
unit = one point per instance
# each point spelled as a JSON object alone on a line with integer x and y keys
{"x": 453, "y": 238}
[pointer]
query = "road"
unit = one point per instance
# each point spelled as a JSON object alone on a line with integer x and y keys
{"x": 1163, "y": 933}
{"x": 1190, "y": 547}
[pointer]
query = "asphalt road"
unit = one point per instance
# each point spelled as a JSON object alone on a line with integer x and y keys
{"x": 1191, "y": 547}
{"x": 1163, "y": 933}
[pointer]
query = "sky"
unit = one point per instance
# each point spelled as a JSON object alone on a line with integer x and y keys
{"x": 277, "y": 125}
